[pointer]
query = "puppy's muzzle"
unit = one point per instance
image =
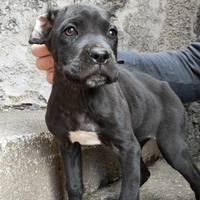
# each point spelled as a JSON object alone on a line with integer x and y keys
{"x": 99, "y": 55}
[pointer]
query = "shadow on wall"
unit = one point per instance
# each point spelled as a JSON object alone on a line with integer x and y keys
{"x": 197, "y": 23}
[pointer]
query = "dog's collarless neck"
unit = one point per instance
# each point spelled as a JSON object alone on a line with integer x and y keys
{"x": 73, "y": 93}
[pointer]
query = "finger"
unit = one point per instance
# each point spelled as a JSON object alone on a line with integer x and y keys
{"x": 50, "y": 77}
{"x": 45, "y": 63}
{"x": 39, "y": 50}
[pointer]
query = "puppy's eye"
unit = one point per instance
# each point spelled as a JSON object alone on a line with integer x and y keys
{"x": 112, "y": 33}
{"x": 70, "y": 31}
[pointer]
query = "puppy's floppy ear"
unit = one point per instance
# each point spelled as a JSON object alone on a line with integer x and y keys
{"x": 43, "y": 26}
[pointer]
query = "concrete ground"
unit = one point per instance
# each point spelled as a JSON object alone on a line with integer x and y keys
{"x": 165, "y": 183}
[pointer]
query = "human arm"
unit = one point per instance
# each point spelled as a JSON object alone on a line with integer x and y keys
{"x": 181, "y": 69}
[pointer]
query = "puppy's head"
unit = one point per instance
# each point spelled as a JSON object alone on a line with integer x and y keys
{"x": 83, "y": 43}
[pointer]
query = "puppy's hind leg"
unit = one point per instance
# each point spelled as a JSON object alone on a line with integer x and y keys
{"x": 175, "y": 151}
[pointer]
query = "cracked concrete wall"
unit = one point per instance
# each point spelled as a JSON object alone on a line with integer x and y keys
{"x": 20, "y": 81}
{"x": 144, "y": 26}
{"x": 155, "y": 25}
{"x": 197, "y": 23}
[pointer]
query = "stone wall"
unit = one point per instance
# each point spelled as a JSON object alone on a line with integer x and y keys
{"x": 197, "y": 23}
{"x": 144, "y": 26}
{"x": 193, "y": 130}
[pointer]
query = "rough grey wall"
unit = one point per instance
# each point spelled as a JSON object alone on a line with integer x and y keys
{"x": 144, "y": 26}
{"x": 197, "y": 23}
{"x": 20, "y": 81}
{"x": 193, "y": 128}
{"x": 157, "y": 25}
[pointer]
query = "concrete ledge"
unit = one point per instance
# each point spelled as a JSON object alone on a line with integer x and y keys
{"x": 29, "y": 160}
{"x": 30, "y": 165}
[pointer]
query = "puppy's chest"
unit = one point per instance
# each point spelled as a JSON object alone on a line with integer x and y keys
{"x": 85, "y": 132}
{"x": 84, "y": 137}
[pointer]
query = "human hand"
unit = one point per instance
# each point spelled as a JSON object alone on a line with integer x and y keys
{"x": 45, "y": 60}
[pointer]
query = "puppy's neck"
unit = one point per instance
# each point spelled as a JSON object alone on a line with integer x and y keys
{"x": 73, "y": 93}
{"x": 73, "y": 97}
{"x": 68, "y": 90}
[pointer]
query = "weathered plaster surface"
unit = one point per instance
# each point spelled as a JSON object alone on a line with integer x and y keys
{"x": 144, "y": 26}
{"x": 20, "y": 80}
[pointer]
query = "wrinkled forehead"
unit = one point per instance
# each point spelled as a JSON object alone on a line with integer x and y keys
{"x": 77, "y": 13}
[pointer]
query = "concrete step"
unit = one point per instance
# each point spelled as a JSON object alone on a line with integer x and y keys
{"x": 30, "y": 165}
{"x": 165, "y": 183}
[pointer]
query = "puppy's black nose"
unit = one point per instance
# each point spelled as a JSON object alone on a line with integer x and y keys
{"x": 99, "y": 55}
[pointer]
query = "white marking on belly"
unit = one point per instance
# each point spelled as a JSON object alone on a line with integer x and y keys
{"x": 84, "y": 138}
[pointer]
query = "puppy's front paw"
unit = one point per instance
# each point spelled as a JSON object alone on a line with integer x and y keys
{"x": 116, "y": 197}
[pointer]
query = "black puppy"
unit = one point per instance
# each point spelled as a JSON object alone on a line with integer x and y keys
{"x": 96, "y": 101}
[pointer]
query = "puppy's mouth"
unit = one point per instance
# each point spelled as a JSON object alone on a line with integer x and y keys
{"x": 96, "y": 80}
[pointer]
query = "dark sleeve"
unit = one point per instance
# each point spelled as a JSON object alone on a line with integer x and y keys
{"x": 181, "y": 69}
